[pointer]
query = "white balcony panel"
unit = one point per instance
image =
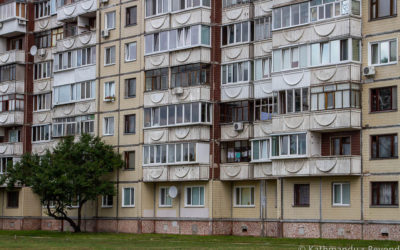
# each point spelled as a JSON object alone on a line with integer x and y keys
{"x": 41, "y": 147}
{"x": 291, "y": 122}
{"x": 41, "y": 117}
{"x": 237, "y": 13}
{"x": 157, "y": 23}
{"x": 11, "y": 149}
{"x": 262, "y": 129}
{"x": 262, "y": 170}
{"x": 12, "y": 87}
{"x": 290, "y": 79}
{"x": 81, "y": 74}
{"x": 155, "y": 136}
{"x": 47, "y": 23}
{"x": 44, "y": 54}
{"x": 193, "y": 55}
{"x": 190, "y": 17}
{"x": 263, "y": 48}
{"x": 233, "y": 92}
{"x": 228, "y": 132}
{"x": 335, "y": 119}
{"x": 13, "y": 27}
{"x": 262, "y": 8}
{"x": 12, "y": 56}
{"x": 189, "y": 133}
{"x": 42, "y": 86}
{"x": 156, "y": 61}
{"x": 176, "y": 173}
{"x": 327, "y": 30}
{"x": 262, "y": 88}
{"x": 336, "y": 73}
{"x": 10, "y": 118}
{"x": 237, "y": 53}
{"x": 74, "y": 109}
{"x": 75, "y": 42}
{"x": 165, "y": 97}
{"x": 76, "y": 9}
{"x": 236, "y": 171}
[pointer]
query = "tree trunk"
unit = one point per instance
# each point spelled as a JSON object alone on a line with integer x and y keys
{"x": 79, "y": 216}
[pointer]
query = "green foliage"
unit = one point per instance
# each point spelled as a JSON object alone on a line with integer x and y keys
{"x": 71, "y": 175}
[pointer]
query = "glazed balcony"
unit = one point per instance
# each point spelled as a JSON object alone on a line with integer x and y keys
{"x": 236, "y": 91}
{"x": 13, "y": 19}
{"x": 262, "y": 8}
{"x": 348, "y": 72}
{"x": 236, "y": 171}
{"x": 176, "y": 173}
{"x": 74, "y": 9}
{"x": 12, "y": 56}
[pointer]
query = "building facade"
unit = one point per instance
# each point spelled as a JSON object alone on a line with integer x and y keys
{"x": 267, "y": 118}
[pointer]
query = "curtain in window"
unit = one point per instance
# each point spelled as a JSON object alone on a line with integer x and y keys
{"x": 385, "y": 196}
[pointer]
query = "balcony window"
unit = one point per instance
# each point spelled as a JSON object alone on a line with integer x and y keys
{"x": 382, "y": 8}
{"x": 301, "y": 195}
{"x": 244, "y": 197}
{"x": 293, "y": 100}
{"x": 73, "y": 125}
{"x": 41, "y": 133}
{"x": 156, "y": 7}
{"x": 230, "y": 3}
{"x": 336, "y": 96}
{"x": 326, "y": 9}
{"x": 236, "y": 72}
{"x": 177, "y": 153}
{"x": 382, "y": 53}
{"x": 14, "y": 102}
{"x": 265, "y": 108}
{"x": 290, "y": 58}
{"x": 261, "y": 150}
{"x": 190, "y": 75}
{"x": 7, "y": 73}
{"x": 289, "y": 145}
{"x": 236, "y": 33}
{"x": 262, "y": 28}
{"x": 178, "y": 114}
{"x": 384, "y": 99}
{"x": 130, "y": 52}
{"x": 56, "y": 35}
{"x": 262, "y": 68}
{"x": 341, "y": 145}
{"x": 165, "y": 200}
{"x": 43, "y": 39}
{"x": 334, "y": 52}
{"x": 74, "y": 58}
{"x": 384, "y": 146}
{"x": 131, "y": 16}
{"x": 74, "y": 92}
{"x": 289, "y": 16}
{"x": 236, "y": 111}
{"x": 341, "y": 194}
{"x": 14, "y": 135}
{"x": 42, "y": 102}
{"x": 235, "y": 151}
{"x": 130, "y": 88}
{"x": 42, "y": 70}
{"x": 194, "y": 196}
{"x": 86, "y": 56}
{"x": 4, "y": 163}
{"x": 156, "y": 79}
{"x": 177, "y": 5}
{"x": 12, "y": 10}
{"x": 384, "y": 193}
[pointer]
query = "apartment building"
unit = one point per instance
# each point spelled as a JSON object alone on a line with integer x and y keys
{"x": 266, "y": 118}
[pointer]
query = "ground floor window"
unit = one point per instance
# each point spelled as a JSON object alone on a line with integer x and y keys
{"x": 194, "y": 196}
{"x": 341, "y": 194}
{"x": 384, "y": 193}
{"x": 165, "y": 199}
{"x": 244, "y": 196}
{"x": 107, "y": 201}
{"x": 302, "y": 195}
{"x": 128, "y": 197}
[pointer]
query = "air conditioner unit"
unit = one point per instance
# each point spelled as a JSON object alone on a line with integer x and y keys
{"x": 21, "y": 22}
{"x": 177, "y": 91}
{"x": 105, "y": 33}
{"x": 42, "y": 52}
{"x": 369, "y": 71}
{"x": 238, "y": 126}
{"x": 104, "y": 1}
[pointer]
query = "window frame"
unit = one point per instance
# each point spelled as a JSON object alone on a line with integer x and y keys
{"x": 394, "y": 137}
{"x": 127, "y": 160}
{"x": 341, "y": 204}
{"x": 111, "y": 49}
{"x": 127, "y": 51}
{"x": 128, "y": 21}
{"x": 130, "y": 205}
{"x": 166, "y": 195}
{"x": 297, "y": 195}
{"x": 341, "y": 145}
{"x": 105, "y": 200}
{"x": 394, "y": 193}
{"x": 38, "y": 129}
{"x": 16, "y": 205}
{"x": 110, "y": 85}
{"x": 106, "y": 126}
{"x": 128, "y": 87}
{"x": 370, "y": 44}
{"x": 127, "y": 124}
{"x": 191, "y": 196}
{"x": 106, "y": 16}
{"x": 393, "y": 94}
{"x": 393, "y": 10}
{"x": 252, "y": 199}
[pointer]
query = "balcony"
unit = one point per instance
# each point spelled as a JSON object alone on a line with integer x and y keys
{"x": 231, "y": 53}
{"x": 175, "y": 173}
{"x": 236, "y": 91}
{"x": 236, "y": 171}
{"x": 76, "y": 9}
{"x": 41, "y": 147}
{"x": 190, "y": 17}
{"x": 11, "y": 118}
{"x": 331, "y": 120}
{"x": 237, "y": 13}
{"x": 263, "y": 48}
{"x": 11, "y": 149}
{"x": 84, "y": 107}
{"x": 170, "y": 96}
{"x": 175, "y": 134}
{"x": 262, "y": 170}
{"x": 262, "y": 129}
{"x": 76, "y": 74}
{"x": 228, "y": 132}
{"x": 75, "y": 42}
{"x": 262, "y": 8}
{"x": 349, "y": 72}
{"x": 192, "y": 55}
{"x": 12, "y": 87}
{"x": 47, "y": 23}
{"x": 294, "y": 122}
{"x": 316, "y": 166}
{"x": 13, "y": 19}
{"x": 262, "y": 88}
{"x": 12, "y": 56}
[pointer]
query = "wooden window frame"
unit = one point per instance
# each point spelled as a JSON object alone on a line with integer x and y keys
{"x": 372, "y": 3}
{"x": 297, "y": 194}
{"x": 377, "y": 148}
{"x": 375, "y": 189}
{"x": 341, "y": 145}
{"x": 376, "y": 96}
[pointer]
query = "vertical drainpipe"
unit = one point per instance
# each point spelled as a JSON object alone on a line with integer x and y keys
{"x": 320, "y": 206}
{"x": 262, "y": 182}
{"x": 281, "y": 217}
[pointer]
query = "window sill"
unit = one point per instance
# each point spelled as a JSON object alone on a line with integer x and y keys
{"x": 244, "y": 206}
{"x": 12, "y": 207}
{"x": 128, "y": 61}
{"x": 194, "y": 206}
{"x": 383, "y": 206}
{"x": 381, "y": 18}
{"x": 106, "y": 206}
{"x": 383, "y": 111}
{"x": 109, "y": 64}
{"x": 387, "y": 158}
{"x": 164, "y": 206}
{"x": 128, "y": 206}
{"x": 300, "y": 206}
{"x": 128, "y": 169}
{"x": 125, "y": 133}
{"x": 108, "y": 134}
{"x": 339, "y": 205}
{"x": 383, "y": 64}
{"x": 130, "y": 25}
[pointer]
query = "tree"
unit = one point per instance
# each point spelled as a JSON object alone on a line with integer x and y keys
{"x": 73, "y": 174}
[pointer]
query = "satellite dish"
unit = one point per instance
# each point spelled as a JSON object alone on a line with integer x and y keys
{"x": 33, "y": 50}
{"x": 172, "y": 192}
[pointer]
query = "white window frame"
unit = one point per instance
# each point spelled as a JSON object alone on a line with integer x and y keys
{"x": 106, "y": 125}
{"x": 268, "y": 143}
{"x": 106, "y": 16}
{"x": 110, "y": 88}
{"x": 235, "y": 202}
{"x": 127, "y": 52}
{"x": 104, "y": 201}
{"x": 39, "y": 126}
{"x": 146, "y": 154}
{"x": 341, "y": 204}
{"x": 191, "y": 188}
{"x": 112, "y": 51}
{"x": 166, "y": 197}
{"x": 123, "y": 197}
{"x": 263, "y": 60}
{"x": 231, "y": 64}
{"x": 235, "y": 35}
{"x": 379, "y": 52}
{"x": 289, "y": 155}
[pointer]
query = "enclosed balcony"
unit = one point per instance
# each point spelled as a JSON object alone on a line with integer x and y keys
{"x": 83, "y": 39}
{"x": 13, "y": 19}
{"x": 12, "y": 56}
{"x": 11, "y": 118}
{"x": 70, "y": 9}
{"x": 176, "y": 173}
{"x": 11, "y": 149}
{"x": 236, "y": 171}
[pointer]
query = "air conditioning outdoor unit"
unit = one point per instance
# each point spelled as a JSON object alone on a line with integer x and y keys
{"x": 369, "y": 71}
{"x": 21, "y": 22}
{"x": 238, "y": 126}
{"x": 104, "y": 1}
{"x": 105, "y": 33}
{"x": 177, "y": 91}
{"x": 42, "y": 52}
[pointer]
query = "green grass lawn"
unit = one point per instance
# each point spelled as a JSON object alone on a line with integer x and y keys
{"x": 58, "y": 240}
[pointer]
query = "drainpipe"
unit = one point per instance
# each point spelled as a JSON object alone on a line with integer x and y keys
{"x": 262, "y": 205}
{"x": 320, "y": 206}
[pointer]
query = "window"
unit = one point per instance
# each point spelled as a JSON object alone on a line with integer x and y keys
{"x": 262, "y": 68}
{"x": 12, "y": 199}
{"x": 130, "y": 160}
{"x": 236, "y": 72}
{"x": 130, "y": 52}
{"x": 341, "y": 194}
{"x": 74, "y": 58}
{"x": 384, "y": 194}
{"x": 384, "y": 146}
{"x": 4, "y": 163}
{"x": 293, "y": 100}
{"x": 301, "y": 195}
{"x": 235, "y": 151}
{"x": 194, "y": 196}
{"x": 130, "y": 124}
{"x": 321, "y": 10}
{"x": 182, "y": 5}
{"x": 156, "y": 7}
{"x": 107, "y": 201}
{"x": 289, "y": 16}
{"x": 12, "y": 9}
{"x": 290, "y": 58}
{"x": 172, "y": 115}
{"x": 7, "y": 72}
{"x": 73, "y": 125}
{"x": 289, "y": 145}
{"x": 262, "y": 27}
{"x": 109, "y": 56}
{"x": 384, "y": 52}
{"x": 109, "y": 91}
{"x": 130, "y": 88}
{"x": 43, "y": 40}
{"x": 14, "y": 102}
{"x": 108, "y": 126}
{"x": 384, "y": 99}
{"x": 334, "y": 52}
{"x": 340, "y": 145}
{"x": 265, "y": 108}
{"x": 131, "y": 15}
{"x": 236, "y": 111}
{"x": 176, "y": 153}
{"x": 190, "y": 75}
{"x": 74, "y": 92}
{"x": 236, "y": 33}
{"x": 42, "y": 9}
{"x": 86, "y": 56}
{"x": 42, "y": 102}
{"x": 382, "y": 8}
{"x": 56, "y": 35}
{"x": 230, "y": 3}
{"x": 42, "y": 70}
{"x": 337, "y": 96}
{"x": 110, "y": 20}
{"x": 244, "y": 196}
{"x": 260, "y": 150}
{"x": 156, "y": 79}
{"x": 41, "y": 133}
{"x": 165, "y": 200}
{"x": 128, "y": 197}
{"x": 14, "y": 135}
